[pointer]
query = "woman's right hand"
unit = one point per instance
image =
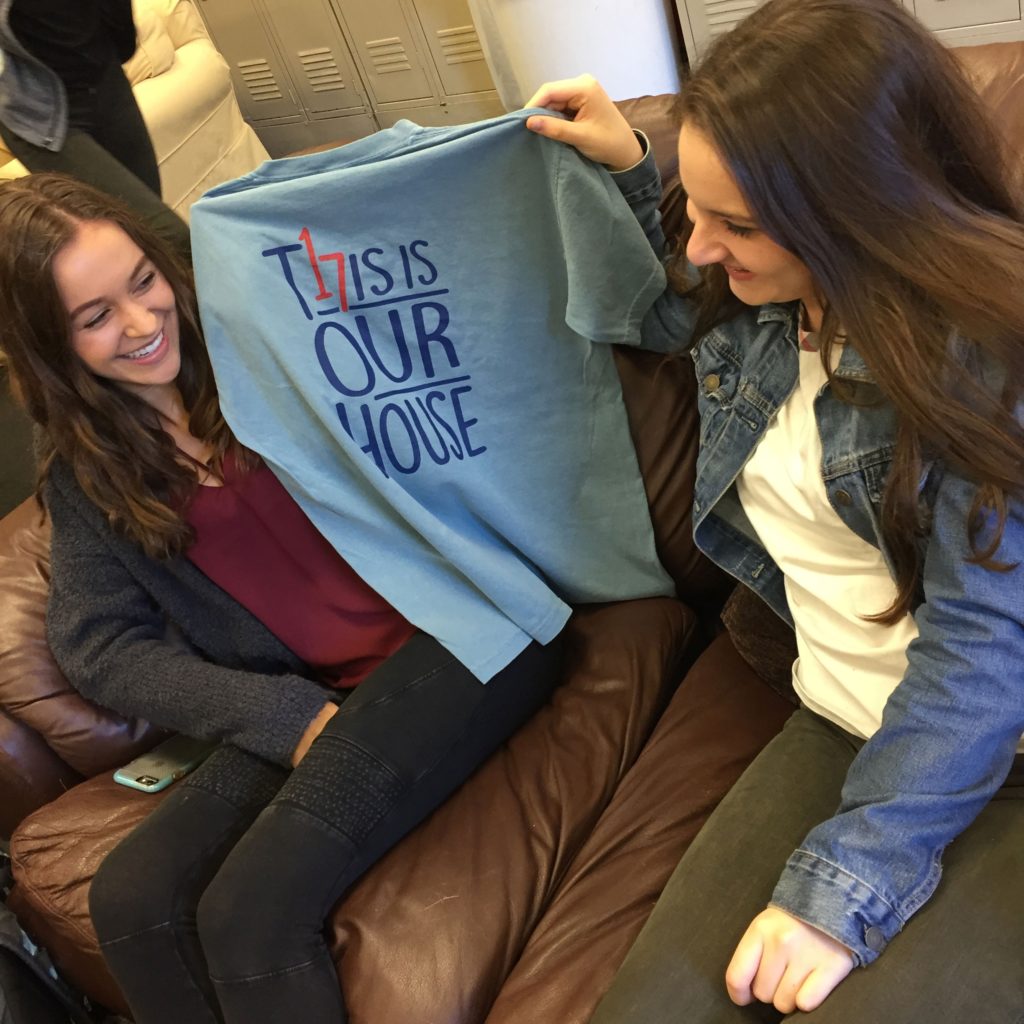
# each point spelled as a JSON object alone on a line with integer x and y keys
{"x": 597, "y": 129}
{"x": 327, "y": 712}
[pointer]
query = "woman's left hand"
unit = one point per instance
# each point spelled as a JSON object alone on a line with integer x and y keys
{"x": 595, "y": 126}
{"x": 783, "y": 961}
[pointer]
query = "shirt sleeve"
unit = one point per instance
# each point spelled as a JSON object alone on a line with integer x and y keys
{"x": 947, "y": 740}
{"x": 669, "y": 321}
{"x": 613, "y": 276}
{"x": 112, "y": 643}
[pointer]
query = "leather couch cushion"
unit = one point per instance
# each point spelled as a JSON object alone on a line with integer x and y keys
{"x": 762, "y": 640}
{"x": 661, "y": 403}
{"x": 718, "y": 720}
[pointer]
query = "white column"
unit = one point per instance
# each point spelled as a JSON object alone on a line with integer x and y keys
{"x": 628, "y": 45}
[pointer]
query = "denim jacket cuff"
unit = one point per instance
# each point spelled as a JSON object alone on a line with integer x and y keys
{"x": 641, "y": 181}
{"x": 824, "y": 895}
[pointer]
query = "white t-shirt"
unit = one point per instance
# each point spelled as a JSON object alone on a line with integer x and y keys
{"x": 847, "y": 666}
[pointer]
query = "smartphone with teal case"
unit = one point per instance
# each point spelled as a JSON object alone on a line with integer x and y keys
{"x": 164, "y": 764}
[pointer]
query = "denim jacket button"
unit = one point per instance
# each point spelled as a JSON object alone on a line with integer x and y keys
{"x": 874, "y": 939}
{"x": 843, "y": 498}
{"x": 712, "y": 382}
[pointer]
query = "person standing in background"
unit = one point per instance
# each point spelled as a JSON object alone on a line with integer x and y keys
{"x": 66, "y": 105}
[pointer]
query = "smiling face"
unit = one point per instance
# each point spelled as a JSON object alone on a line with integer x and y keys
{"x": 726, "y": 232}
{"x": 122, "y": 311}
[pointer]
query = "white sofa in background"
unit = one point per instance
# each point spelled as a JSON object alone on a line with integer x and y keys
{"x": 183, "y": 88}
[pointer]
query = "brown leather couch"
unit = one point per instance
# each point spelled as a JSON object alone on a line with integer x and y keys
{"x": 517, "y": 900}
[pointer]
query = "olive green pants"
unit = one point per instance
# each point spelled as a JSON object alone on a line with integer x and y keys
{"x": 960, "y": 959}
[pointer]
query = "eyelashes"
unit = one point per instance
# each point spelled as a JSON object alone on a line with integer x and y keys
{"x": 143, "y": 283}
{"x": 735, "y": 229}
{"x": 95, "y": 321}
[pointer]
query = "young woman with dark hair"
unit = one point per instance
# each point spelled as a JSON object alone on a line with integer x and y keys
{"x": 188, "y": 588}
{"x": 852, "y": 295}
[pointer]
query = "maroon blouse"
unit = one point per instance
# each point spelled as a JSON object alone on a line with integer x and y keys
{"x": 254, "y": 542}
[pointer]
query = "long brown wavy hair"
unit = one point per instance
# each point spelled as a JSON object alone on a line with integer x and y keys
{"x": 861, "y": 147}
{"x": 112, "y": 440}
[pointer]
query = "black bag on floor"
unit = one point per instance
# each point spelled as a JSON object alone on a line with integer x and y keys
{"x": 23, "y": 997}
{"x": 31, "y": 991}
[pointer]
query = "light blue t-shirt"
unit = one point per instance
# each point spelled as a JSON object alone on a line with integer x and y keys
{"x": 404, "y": 329}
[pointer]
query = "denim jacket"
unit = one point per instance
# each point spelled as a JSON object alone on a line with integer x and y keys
{"x": 33, "y": 103}
{"x": 33, "y": 100}
{"x": 950, "y": 729}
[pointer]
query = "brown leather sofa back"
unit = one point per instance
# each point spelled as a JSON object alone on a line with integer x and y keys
{"x": 997, "y": 72}
{"x": 50, "y": 738}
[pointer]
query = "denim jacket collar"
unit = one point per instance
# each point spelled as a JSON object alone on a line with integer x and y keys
{"x": 851, "y": 364}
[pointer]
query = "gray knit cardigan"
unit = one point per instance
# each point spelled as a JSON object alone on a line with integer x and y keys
{"x": 161, "y": 641}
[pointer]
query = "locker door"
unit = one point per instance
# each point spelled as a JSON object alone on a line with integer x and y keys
{"x": 704, "y": 20}
{"x": 321, "y": 66}
{"x": 385, "y": 44}
{"x": 940, "y": 14}
{"x": 261, "y": 81}
{"x": 454, "y": 46}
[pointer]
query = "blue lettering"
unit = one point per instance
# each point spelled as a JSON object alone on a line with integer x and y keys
{"x": 328, "y": 366}
{"x": 432, "y": 399}
{"x": 425, "y": 337}
{"x": 371, "y": 448}
{"x": 385, "y": 433}
{"x": 281, "y": 252}
{"x": 442, "y": 456}
{"x": 379, "y": 270}
{"x": 463, "y": 423}
{"x": 406, "y": 266}
{"x": 401, "y": 346}
{"x": 356, "y": 277}
{"x": 414, "y": 247}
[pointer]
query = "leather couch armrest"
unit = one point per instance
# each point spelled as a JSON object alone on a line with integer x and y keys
{"x": 31, "y": 774}
{"x": 50, "y": 736}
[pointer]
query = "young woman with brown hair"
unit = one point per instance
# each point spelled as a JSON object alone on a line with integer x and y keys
{"x": 187, "y": 587}
{"x": 857, "y": 328}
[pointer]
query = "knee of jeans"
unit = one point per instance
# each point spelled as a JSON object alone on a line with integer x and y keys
{"x": 242, "y": 928}
{"x": 129, "y": 894}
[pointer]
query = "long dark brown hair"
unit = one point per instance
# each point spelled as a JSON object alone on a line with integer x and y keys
{"x": 111, "y": 439}
{"x": 860, "y": 147}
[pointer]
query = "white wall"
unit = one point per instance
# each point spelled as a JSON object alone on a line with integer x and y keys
{"x": 629, "y": 45}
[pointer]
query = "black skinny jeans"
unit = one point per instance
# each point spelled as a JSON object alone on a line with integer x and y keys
{"x": 213, "y": 909}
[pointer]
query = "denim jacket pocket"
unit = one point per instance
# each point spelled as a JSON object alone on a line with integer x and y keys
{"x": 718, "y": 370}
